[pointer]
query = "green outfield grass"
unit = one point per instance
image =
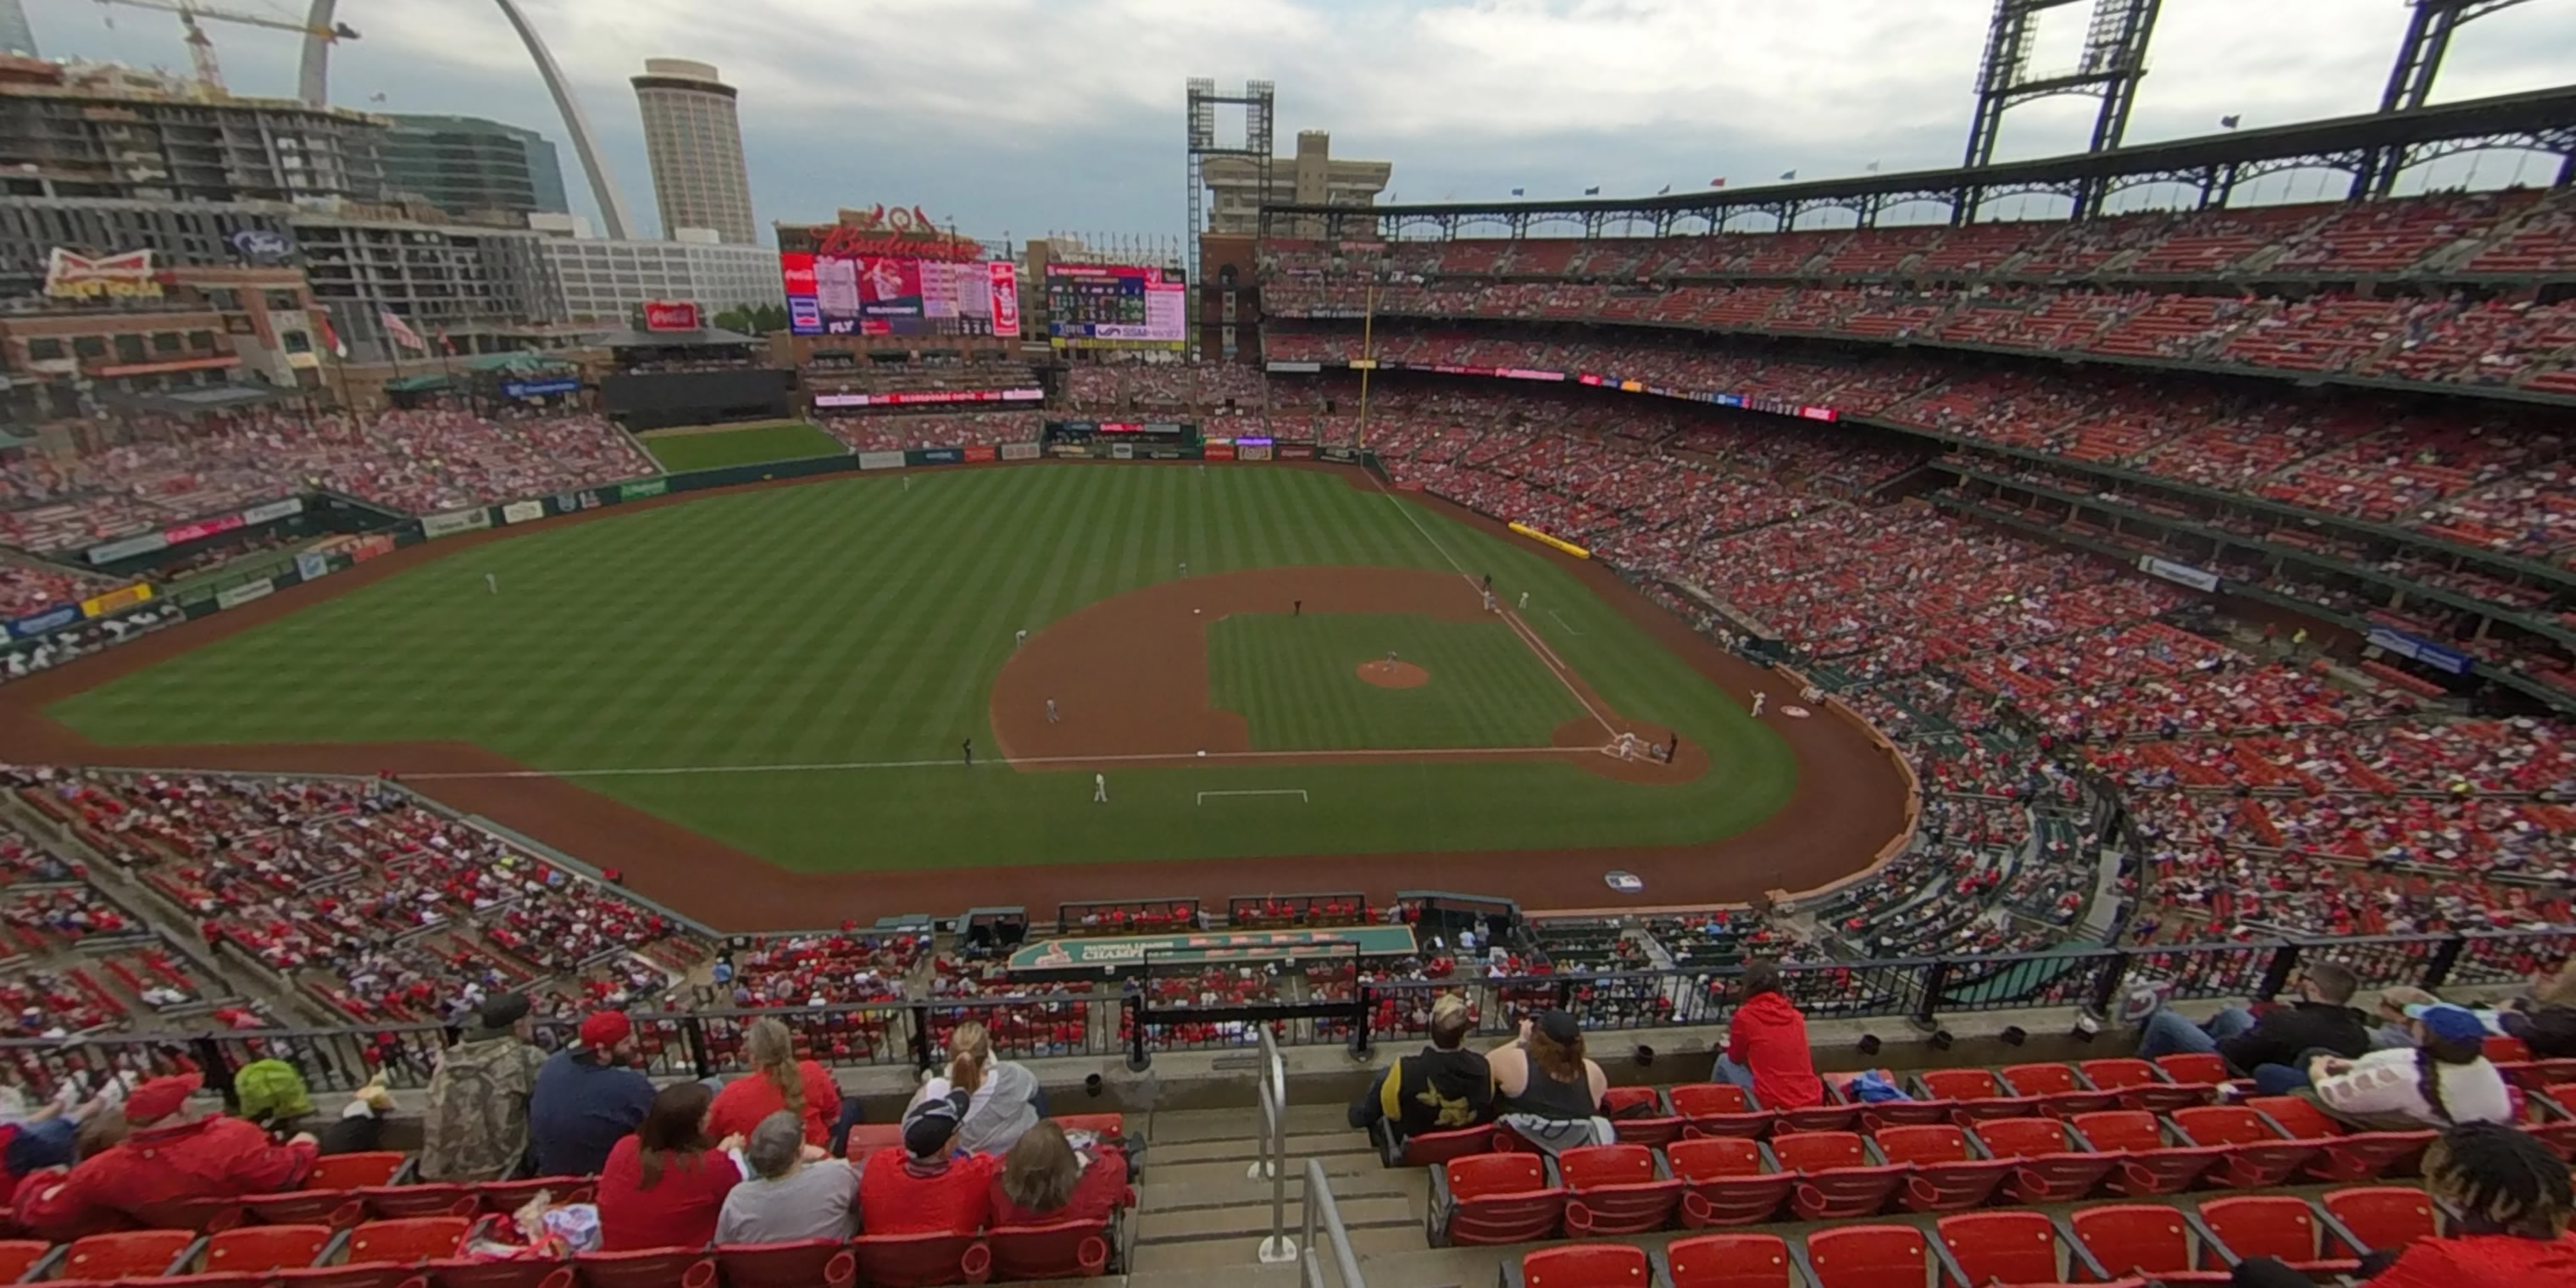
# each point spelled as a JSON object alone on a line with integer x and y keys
{"x": 680, "y": 451}
{"x": 1295, "y": 681}
{"x": 853, "y": 621}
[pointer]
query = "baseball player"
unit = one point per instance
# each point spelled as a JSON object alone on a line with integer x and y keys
{"x": 1051, "y": 715}
{"x": 1021, "y": 638}
{"x": 1759, "y": 697}
{"x": 1489, "y": 601}
{"x": 1525, "y": 600}
{"x": 1185, "y": 567}
{"x": 970, "y": 753}
{"x": 907, "y": 482}
{"x": 1100, "y": 789}
{"x": 1390, "y": 657}
{"x": 492, "y": 582}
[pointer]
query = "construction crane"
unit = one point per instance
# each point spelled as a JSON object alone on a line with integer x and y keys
{"x": 201, "y": 50}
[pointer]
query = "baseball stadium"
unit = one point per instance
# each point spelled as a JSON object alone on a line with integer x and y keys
{"x": 1816, "y": 734}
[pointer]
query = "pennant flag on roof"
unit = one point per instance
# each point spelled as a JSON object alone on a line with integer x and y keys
{"x": 1517, "y": 192}
{"x": 1593, "y": 191}
{"x": 1788, "y": 174}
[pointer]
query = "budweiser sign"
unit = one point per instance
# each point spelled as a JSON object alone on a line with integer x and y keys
{"x": 670, "y": 315}
{"x": 70, "y": 275}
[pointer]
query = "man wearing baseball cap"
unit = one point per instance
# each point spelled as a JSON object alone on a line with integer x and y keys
{"x": 588, "y": 1098}
{"x": 476, "y": 1127}
{"x": 171, "y": 1155}
{"x": 922, "y": 1186}
{"x": 2443, "y": 1080}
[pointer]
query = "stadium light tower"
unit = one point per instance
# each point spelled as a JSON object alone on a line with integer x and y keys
{"x": 1257, "y": 100}
{"x": 2114, "y": 61}
{"x": 2428, "y": 38}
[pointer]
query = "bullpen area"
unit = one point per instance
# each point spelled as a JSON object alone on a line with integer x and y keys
{"x": 757, "y": 705}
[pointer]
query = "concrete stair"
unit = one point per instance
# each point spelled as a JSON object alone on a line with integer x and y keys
{"x": 1201, "y": 1209}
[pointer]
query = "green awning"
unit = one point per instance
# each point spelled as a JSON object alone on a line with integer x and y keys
{"x": 416, "y": 384}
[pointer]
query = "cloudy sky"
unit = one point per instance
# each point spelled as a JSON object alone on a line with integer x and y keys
{"x": 1029, "y": 116}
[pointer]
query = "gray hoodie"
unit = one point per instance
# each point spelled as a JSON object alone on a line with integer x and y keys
{"x": 1000, "y": 1111}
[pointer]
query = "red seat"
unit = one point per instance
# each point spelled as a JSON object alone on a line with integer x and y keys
{"x": 409, "y": 1239}
{"x": 802, "y": 1264}
{"x": 2383, "y": 1216}
{"x": 2149, "y": 1164}
{"x": 919, "y": 1260}
{"x": 2142, "y": 1239}
{"x": 2195, "y": 1069}
{"x": 131, "y": 1253}
{"x": 1975, "y": 1095}
{"x": 1824, "y": 1117}
{"x": 349, "y": 1171}
{"x": 1835, "y": 1175}
{"x": 404, "y": 1202}
{"x": 2275, "y": 1225}
{"x": 1433, "y": 1148}
{"x": 1615, "y": 1189}
{"x": 201, "y": 1215}
{"x": 2346, "y": 1155}
{"x": 339, "y": 1209}
{"x": 18, "y": 1256}
{"x": 1728, "y": 1261}
{"x": 868, "y": 1138}
{"x": 2141, "y": 1085}
{"x": 1062, "y": 1250}
{"x": 1727, "y": 1181}
{"x": 2533, "y": 1075}
{"x": 678, "y": 1268}
{"x": 2007, "y": 1248}
{"x": 2559, "y": 1136}
{"x": 1867, "y": 1256}
{"x": 470, "y": 1272}
{"x": 1903, "y": 1113}
{"x": 501, "y": 1198}
{"x": 2259, "y": 1156}
{"x": 2507, "y": 1050}
{"x": 1493, "y": 1198}
{"x": 256, "y": 1248}
{"x": 1112, "y": 1126}
{"x": 2062, "y": 1091}
{"x": 1640, "y": 1116}
{"x": 1948, "y": 1174}
{"x": 1719, "y": 1109}
{"x": 1587, "y": 1265}
{"x": 2047, "y": 1165}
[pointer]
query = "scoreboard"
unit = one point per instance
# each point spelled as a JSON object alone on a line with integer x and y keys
{"x": 1102, "y": 306}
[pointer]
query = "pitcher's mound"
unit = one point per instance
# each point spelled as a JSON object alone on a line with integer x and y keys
{"x": 1394, "y": 675}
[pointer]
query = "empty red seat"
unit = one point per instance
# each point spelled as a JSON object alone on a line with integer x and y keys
{"x": 129, "y": 1254}
{"x": 253, "y": 1249}
{"x": 1983, "y": 1248}
{"x": 919, "y": 1260}
{"x": 1433, "y": 1148}
{"x": 1112, "y": 1126}
{"x": 1948, "y": 1174}
{"x": 1727, "y": 1180}
{"x": 2382, "y": 1216}
{"x": 401, "y": 1202}
{"x": 1588, "y": 1265}
{"x": 2049, "y": 1164}
{"x": 2259, "y": 1156}
{"x": 2061, "y": 1090}
{"x": 501, "y": 1198}
{"x": 2280, "y": 1226}
{"x": 410, "y": 1239}
{"x": 2195, "y": 1069}
{"x": 1719, "y": 1109}
{"x": 1616, "y": 1189}
{"x": 1058, "y": 1250}
{"x": 802, "y": 1264}
{"x": 681, "y": 1268}
{"x": 473, "y": 1272}
{"x": 1975, "y": 1095}
{"x": 2149, "y": 1163}
{"x": 2533, "y": 1075}
{"x": 2345, "y": 1154}
{"x": 1867, "y": 1256}
{"x": 868, "y": 1138}
{"x": 2142, "y": 1239}
{"x": 1830, "y": 1116}
{"x": 2560, "y": 1134}
{"x": 2141, "y": 1085}
{"x": 350, "y": 1171}
{"x": 1836, "y": 1177}
{"x": 1494, "y": 1198}
{"x": 18, "y": 1256}
{"x": 339, "y": 1209}
{"x": 1728, "y": 1261}
{"x": 2507, "y": 1050}
{"x": 1640, "y": 1116}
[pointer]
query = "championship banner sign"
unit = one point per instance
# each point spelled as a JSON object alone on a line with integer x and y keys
{"x": 1546, "y": 540}
{"x": 523, "y": 511}
{"x": 2417, "y": 648}
{"x": 448, "y": 525}
{"x": 2184, "y": 574}
{"x": 1264, "y": 945}
{"x": 113, "y": 600}
{"x": 639, "y": 491}
{"x": 880, "y": 460}
{"x": 236, "y": 596}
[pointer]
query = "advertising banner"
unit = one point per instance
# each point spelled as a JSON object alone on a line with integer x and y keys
{"x": 449, "y": 524}
{"x": 2417, "y": 648}
{"x": 1122, "y": 451}
{"x": 523, "y": 511}
{"x": 1019, "y": 451}
{"x": 980, "y": 453}
{"x": 52, "y": 619}
{"x": 2185, "y": 574}
{"x": 639, "y": 491}
{"x": 125, "y": 548}
{"x": 538, "y": 388}
{"x": 1340, "y": 455}
{"x": 113, "y": 600}
{"x": 70, "y": 275}
{"x": 1256, "y": 945}
{"x": 670, "y": 315}
{"x": 367, "y": 548}
{"x": 273, "y": 510}
{"x": 1296, "y": 451}
{"x": 1123, "y": 305}
{"x": 1252, "y": 451}
{"x": 1070, "y": 452}
{"x": 880, "y": 460}
{"x": 1218, "y": 452}
{"x": 942, "y": 456}
{"x": 201, "y": 529}
{"x": 919, "y": 397}
{"x": 236, "y": 596}
{"x": 870, "y": 294}
{"x": 310, "y": 565}
{"x": 1294, "y": 368}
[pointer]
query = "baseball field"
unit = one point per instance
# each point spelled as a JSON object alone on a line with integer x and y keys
{"x": 1252, "y": 664}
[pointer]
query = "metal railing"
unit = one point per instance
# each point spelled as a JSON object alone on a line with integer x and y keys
{"x": 1272, "y": 1092}
{"x": 1322, "y": 1214}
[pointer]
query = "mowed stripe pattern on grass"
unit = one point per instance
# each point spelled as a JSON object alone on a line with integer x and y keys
{"x": 680, "y": 452}
{"x": 853, "y": 620}
{"x": 1295, "y": 680}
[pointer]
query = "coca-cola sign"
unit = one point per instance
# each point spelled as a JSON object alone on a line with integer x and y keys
{"x": 670, "y": 315}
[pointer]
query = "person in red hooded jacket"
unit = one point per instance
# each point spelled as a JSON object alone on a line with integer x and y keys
{"x": 1766, "y": 1045}
{"x": 169, "y": 1157}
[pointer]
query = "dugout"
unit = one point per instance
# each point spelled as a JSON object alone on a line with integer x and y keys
{"x": 1271, "y": 911}
{"x": 1127, "y": 916}
{"x": 659, "y": 379}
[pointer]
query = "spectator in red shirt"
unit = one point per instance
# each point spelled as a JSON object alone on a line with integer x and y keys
{"x": 1044, "y": 1179}
{"x": 665, "y": 1185}
{"x": 2514, "y": 1200}
{"x": 168, "y": 1157}
{"x": 922, "y": 1187}
{"x": 1766, "y": 1046}
{"x": 778, "y": 1080}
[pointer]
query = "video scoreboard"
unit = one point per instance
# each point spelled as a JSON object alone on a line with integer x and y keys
{"x": 1121, "y": 306}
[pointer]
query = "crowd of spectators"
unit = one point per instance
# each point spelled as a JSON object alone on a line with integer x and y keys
{"x": 27, "y": 588}
{"x": 903, "y": 431}
{"x": 1102, "y": 387}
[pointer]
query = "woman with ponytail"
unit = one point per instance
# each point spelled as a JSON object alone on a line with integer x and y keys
{"x": 1005, "y": 1097}
{"x": 778, "y": 1080}
{"x": 2443, "y": 1080}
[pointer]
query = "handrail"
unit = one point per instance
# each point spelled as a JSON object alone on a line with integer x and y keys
{"x": 1272, "y": 1092}
{"x": 1322, "y": 1211}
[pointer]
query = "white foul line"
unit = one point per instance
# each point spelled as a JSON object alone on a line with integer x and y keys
{"x": 1298, "y": 792}
{"x": 1570, "y": 628}
{"x": 1320, "y": 756}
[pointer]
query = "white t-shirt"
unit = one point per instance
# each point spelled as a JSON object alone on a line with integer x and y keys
{"x": 2386, "y": 1082}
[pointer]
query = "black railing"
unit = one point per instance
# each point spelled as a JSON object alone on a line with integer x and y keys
{"x": 913, "y": 1034}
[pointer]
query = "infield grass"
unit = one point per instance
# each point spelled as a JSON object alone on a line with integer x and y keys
{"x": 682, "y": 450}
{"x": 1295, "y": 680}
{"x": 854, "y": 621}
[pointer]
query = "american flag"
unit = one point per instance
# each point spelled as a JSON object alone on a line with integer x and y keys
{"x": 401, "y": 331}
